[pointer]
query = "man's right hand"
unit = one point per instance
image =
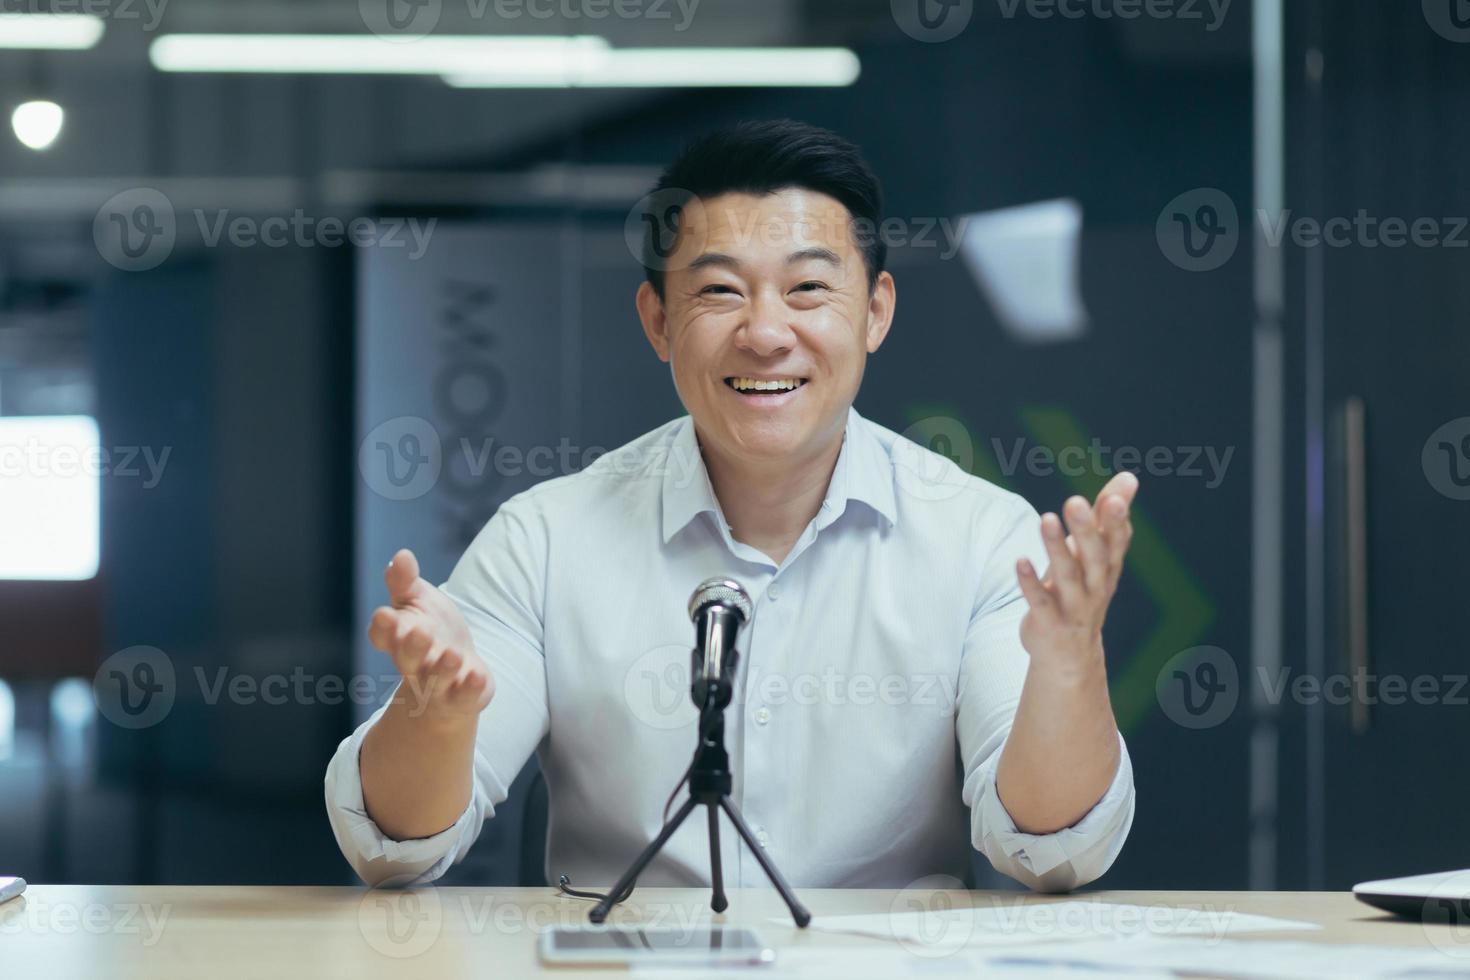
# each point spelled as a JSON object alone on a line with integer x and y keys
{"x": 444, "y": 679}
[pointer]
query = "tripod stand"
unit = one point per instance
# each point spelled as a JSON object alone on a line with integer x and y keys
{"x": 709, "y": 784}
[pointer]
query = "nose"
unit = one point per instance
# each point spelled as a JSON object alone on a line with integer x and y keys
{"x": 766, "y": 331}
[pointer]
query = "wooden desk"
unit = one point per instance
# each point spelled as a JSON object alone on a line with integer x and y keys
{"x": 59, "y": 932}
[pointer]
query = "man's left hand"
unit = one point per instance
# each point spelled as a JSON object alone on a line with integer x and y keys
{"x": 1063, "y": 627}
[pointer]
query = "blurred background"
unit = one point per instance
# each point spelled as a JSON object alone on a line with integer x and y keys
{"x": 272, "y": 307}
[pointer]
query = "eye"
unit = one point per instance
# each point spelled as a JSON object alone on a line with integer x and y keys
{"x": 812, "y": 286}
{"x": 717, "y": 289}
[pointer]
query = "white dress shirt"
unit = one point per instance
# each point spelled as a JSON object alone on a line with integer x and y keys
{"x": 878, "y": 677}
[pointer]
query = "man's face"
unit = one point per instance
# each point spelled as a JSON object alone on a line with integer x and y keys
{"x": 771, "y": 288}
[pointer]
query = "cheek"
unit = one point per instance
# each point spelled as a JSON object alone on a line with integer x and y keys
{"x": 832, "y": 334}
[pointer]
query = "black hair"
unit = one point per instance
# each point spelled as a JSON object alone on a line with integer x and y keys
{"x": 761, "y": 157}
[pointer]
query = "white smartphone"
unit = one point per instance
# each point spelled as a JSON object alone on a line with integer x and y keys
{"x": 621, "y": 945}
{"x": 11, "y": 888}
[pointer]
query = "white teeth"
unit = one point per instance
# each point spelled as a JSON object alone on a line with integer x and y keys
{"x": 752, "y": 384}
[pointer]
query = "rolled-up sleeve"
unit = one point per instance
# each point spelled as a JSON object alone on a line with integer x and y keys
{"x": 992, "y": 673}
{"x": 1060, "y": 861}
{"x": 498, "y": 585}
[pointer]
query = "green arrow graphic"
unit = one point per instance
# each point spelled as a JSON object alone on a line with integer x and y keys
{"x": 1185, "y": 612}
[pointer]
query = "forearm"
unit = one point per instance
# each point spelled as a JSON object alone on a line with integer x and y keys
{"x": 1062, "y": 751}
{"x": 417, "y": 771}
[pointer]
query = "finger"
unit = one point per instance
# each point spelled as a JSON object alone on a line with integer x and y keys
{"x": 1065, "y": 570}
{"x": 467, "y": 690}
{"x": 445, "y": 665}
{"x": 1124, "y": 484}
{"x": 383, "y": 628}
{"x": 413, "y": 650}
{"x": 1090, "y": 548}
{"x": 1117, "y": 528}
{"x": 1036, "y": 594}
{"x": 402, "y": 577}
{"x": 1120, "y": 490}
{"x": 439, "y": 672}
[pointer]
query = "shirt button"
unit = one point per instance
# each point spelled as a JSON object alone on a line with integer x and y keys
{"x": 763, "y": 839}
{"x": 763, "y": 716}
{"x": 773, "y": 591}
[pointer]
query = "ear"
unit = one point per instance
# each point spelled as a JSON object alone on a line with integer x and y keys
{"x": 655, "y": 320}
{"x": 880, "y": 310}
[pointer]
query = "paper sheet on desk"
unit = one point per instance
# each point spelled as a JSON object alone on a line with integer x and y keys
{"x": 1248, "y": 960}
{"x": 1014, "y": 923}
{"x": 890, "y": 963}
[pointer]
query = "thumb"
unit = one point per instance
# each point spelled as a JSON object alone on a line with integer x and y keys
{"x": 402, "y": 577}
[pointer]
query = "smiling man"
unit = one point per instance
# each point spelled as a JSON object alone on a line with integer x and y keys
{"x": 923, "y": 670}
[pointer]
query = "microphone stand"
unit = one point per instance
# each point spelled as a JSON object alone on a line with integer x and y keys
{"x": 709, "y": 784}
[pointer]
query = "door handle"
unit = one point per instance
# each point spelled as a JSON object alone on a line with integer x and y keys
{"x": 1355, "y": 558}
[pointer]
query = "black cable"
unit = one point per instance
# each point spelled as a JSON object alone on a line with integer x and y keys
{"x": 707, "y": 720}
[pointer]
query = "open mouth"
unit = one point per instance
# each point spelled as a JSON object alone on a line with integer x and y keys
{"x": 762, "y": 389}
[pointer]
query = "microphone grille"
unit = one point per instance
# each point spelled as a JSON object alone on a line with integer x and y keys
{"x": 725, "y": 591}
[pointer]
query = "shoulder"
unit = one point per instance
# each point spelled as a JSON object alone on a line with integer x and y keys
{"x": 932, "y": 489}
{"x": 615, "y": 479}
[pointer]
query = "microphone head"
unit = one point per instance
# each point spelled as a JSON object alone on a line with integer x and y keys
{"x": 726, "y": 592}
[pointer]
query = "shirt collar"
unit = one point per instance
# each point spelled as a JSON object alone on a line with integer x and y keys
{"x": 864, "y": 472}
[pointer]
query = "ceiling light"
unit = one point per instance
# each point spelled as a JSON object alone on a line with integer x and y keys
{"x": 362, "y": 54}
{"x": 672, "y": 67}
{"x": 37, "y": 123}
{"x": 51, "y": 31}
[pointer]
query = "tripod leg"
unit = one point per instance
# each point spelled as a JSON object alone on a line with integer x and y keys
{"x": 625, "y": 883}
{"x": 718, "y": 902}
{"x": 798, "y": 911}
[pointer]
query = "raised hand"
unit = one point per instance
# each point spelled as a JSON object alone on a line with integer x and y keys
{"x": 444, "y": 678}
{"x": 1064, "y": 624}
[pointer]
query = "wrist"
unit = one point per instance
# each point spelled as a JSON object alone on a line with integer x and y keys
{"x": 414, "y": 708}
{"x": 1079, "y": 665}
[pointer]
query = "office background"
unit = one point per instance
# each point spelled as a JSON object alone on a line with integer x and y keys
{"x": 1138, "y": 273}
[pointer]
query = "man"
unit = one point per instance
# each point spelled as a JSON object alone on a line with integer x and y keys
{"x": 923, "y": 670}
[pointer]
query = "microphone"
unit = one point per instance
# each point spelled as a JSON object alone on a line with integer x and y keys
{"x": 718, "y": 608}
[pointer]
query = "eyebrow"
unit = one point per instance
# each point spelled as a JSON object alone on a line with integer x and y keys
{"x": 816, "y": 253}
{"x": 721, "y": 259}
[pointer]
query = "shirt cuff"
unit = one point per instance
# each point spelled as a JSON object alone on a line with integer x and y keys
{"x": 1088, "y": 846}
{"x": 377, "y": 858}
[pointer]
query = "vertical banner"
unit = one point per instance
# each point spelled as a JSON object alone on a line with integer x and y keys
{"x": 459, "y": 375}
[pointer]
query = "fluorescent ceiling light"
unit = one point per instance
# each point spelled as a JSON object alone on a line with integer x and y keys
{"x": 53, "y": 31}
{"x": 683, "y": 68}
{"x": 365, "y": 54}
{"x": 50, "y": 497}
{"x": 59, "y": 31}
